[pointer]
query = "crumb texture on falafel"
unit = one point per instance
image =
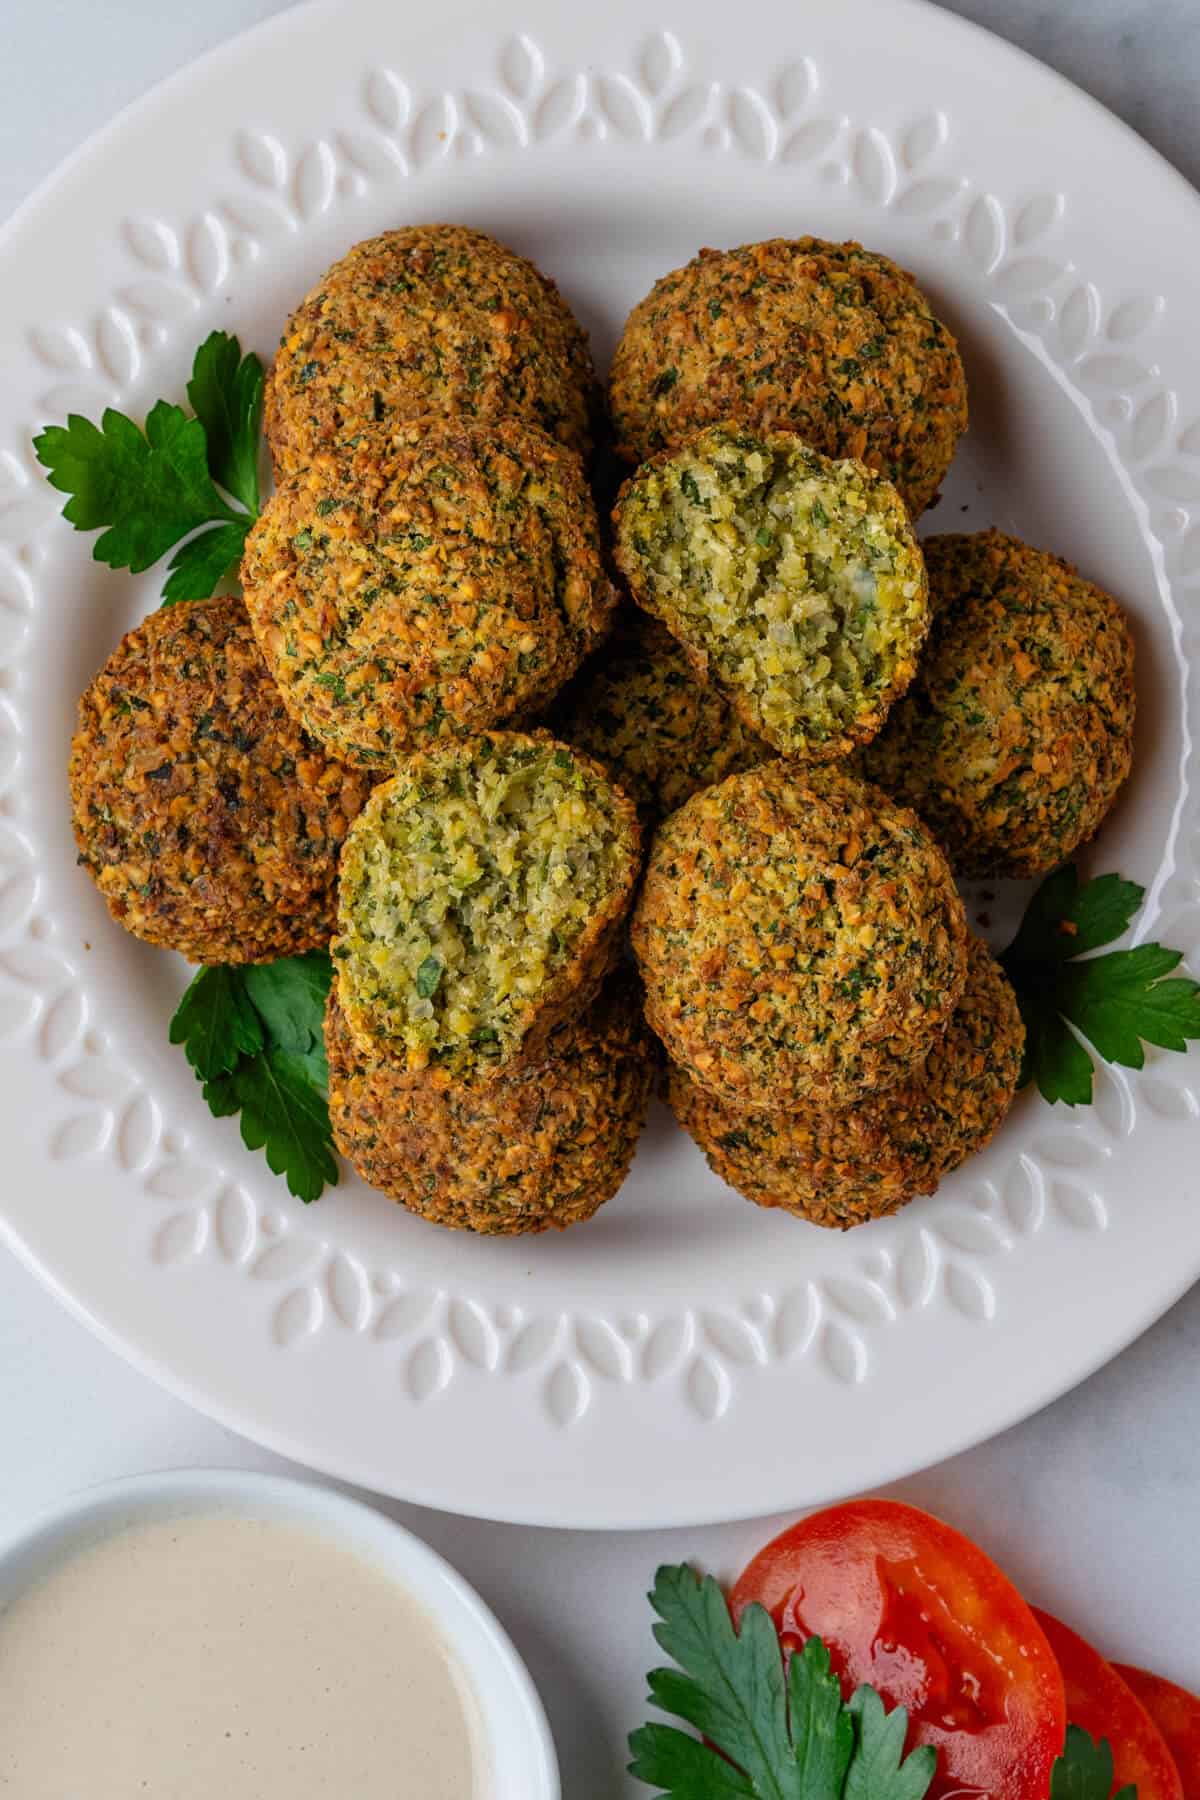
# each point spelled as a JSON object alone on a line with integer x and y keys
{"x": 794, "y": 581}
{"x": 829, "y": 340}
{"x": 842, "y": 1166}
{"x": 209, "y": 821}
{"x": 424, "y": 321}
{"x": 800, "y": 937}
{"x": 1017, "y": 733}
{"x": 435, "y": 584}
{"x": 539, "y": 1149}
{"x": 662, "y": 733}
{"x": 481, "y": 890}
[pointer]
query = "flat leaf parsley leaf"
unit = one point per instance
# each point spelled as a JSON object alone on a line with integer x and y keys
{"x": 1084, "y": 1771}
{"x": 289, "y": 997}
{"x": 283, "y": 1114}
{"x": 880, "y": 1770}
{"x": 771, "y": 1735}
{"x": 226, "y": 392}
{"x": 822, "y": 1727}
{"x": 1117, "y": 1002}
{"x": 216, "y": 1023}
{"x": 198, "y": 566}
{"x": 148, "y": 489}
{"x": 254, "y": 1034}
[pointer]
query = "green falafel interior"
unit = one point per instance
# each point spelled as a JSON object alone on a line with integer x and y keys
{"x": 793, "y": 579}
{"x": 480, "y": 889}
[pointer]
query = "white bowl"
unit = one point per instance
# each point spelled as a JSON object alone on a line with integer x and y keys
{"x": 516, "y": 1734}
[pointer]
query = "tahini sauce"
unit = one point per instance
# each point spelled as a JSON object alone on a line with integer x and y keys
{"x": 186, "y": 1658}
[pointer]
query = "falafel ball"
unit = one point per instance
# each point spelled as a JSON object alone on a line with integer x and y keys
{"x": 482, "y": 890}
{"x": 827, "y": 340}
{"x": 662, "y": 734}
{"x": 1018, "y": 730}
{"x": 800, "y": 937}
{"x": 793, "y": 581}
{"x": 841, "y": 1167}
{"x": 208, "y": 820}
{"x": 437, "y": 585}
{"x": 425, "y": 321}
{"x": 544, "y": 1147}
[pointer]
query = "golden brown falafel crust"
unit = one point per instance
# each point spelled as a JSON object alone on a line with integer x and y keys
{"x": 1018, "y": 731}
{"x": 800, "y": 938}
{"x": 542, "y": 1148}
{"x": 210, "y": 823}
{"x": 843, "y": 1166}
{"x": 446, "y": 898}
{"x": 427, "y": 320}
{"x": 434, "y": 586}
{"x": 660, "y": 731}
{"x": 827, "y": 340}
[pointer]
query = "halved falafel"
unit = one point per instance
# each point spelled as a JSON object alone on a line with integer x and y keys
{"x": 827, "y": 340}
{"x": 436, "y": 585}
{"x": 842, "y": 1166}
{"x": 481, "y": 893}
{"x": 425, "y": 321}
{"x": 800, "y": 937}
{"x": 210, "y": 823}
{"x": 544, "y": 1147}
{"x": 794, "y": 582}
{"x": 1018, "y": 730}
{"x": 660, "y": 731}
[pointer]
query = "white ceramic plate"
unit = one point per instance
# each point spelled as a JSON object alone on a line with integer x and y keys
{"x": 516, "y": 1741}
{"x": 684, "y": 1356}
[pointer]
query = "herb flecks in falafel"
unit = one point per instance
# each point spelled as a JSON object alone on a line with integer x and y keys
{"x": 829, "y": 340}
{"x": 1018, "y": 731}
{"x": 842, "y": 1166}
{"x": 800, "y": 937}
{"x": 427, "y": 321}
{"x": 793, "y": 581}
{"x": 481, "y": 893}
{"x": 661, "y": 732}
{"x": 439, "y": 584}
{"x": 542, "y": 1148}
{"x": 209, "y": 821}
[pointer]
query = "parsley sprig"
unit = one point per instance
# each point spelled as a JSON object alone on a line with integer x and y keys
{"x": 150, "y": 489}
{"x": 772, "y": 1734}
{"x": 254, "y": 1036}
{"x": 1117, "y": 1002}
{"x": 772, "y": 1731}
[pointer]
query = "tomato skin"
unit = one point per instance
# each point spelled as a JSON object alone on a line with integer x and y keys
{"x": 1177, "y": 1715}
{"x": 1100, "y": 1701}
{"x": 906, "y": 1603}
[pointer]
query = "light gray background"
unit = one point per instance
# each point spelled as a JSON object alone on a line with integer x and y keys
{"x": 1094, "y": 1506}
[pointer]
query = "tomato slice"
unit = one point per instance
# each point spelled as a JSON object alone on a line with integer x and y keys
{"x": 916, "y": 1609}
{"x": 1177, "y": 1715}
{"x": 1099, "y": 1700}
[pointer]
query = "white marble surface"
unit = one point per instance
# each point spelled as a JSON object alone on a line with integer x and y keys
{"x": 1092, "y": 1506}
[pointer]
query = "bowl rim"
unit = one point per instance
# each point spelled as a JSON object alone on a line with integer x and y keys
{"x": 515, "y": 1729}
